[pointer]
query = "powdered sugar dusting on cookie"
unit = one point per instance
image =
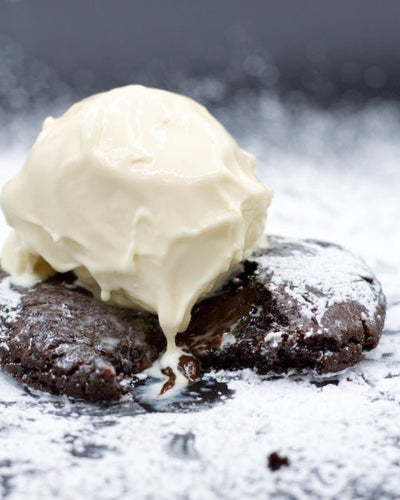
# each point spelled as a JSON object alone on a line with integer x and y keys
{"x": 320, "y": 276}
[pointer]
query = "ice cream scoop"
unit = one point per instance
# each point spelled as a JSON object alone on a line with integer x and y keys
{"x": 143, "y": 195}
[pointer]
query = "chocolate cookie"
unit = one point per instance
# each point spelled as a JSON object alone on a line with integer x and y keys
{"x": 56, "y": 337}
{"x": 297, "y": 304}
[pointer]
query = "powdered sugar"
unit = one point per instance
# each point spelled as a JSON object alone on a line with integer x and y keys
{"x": 336, "y": 178}
{"x": 320, "y": 277}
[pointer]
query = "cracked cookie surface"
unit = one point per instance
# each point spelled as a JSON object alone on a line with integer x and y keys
{"x": 297, "y": 304}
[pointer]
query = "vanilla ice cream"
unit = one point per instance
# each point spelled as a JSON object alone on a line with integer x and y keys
{"x": 141, "y": 193}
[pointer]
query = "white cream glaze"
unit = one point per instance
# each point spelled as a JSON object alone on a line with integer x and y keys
{"x": 141, "y": 193}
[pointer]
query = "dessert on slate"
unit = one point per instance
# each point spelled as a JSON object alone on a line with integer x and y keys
{"x": 136, "y": 245}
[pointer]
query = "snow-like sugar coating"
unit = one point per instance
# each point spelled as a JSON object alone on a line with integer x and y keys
{"x": 321, "y": 276}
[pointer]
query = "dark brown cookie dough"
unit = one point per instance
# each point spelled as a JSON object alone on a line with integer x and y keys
{"x": 297, "y": 304}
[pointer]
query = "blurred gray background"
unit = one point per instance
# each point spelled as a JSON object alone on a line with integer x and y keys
{"x": 342, "y": 52}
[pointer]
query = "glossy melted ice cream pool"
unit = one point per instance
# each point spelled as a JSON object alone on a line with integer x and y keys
{"x": 143, "y": 195}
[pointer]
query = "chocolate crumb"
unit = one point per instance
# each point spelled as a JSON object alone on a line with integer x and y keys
{"x": 276, "y": 461}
